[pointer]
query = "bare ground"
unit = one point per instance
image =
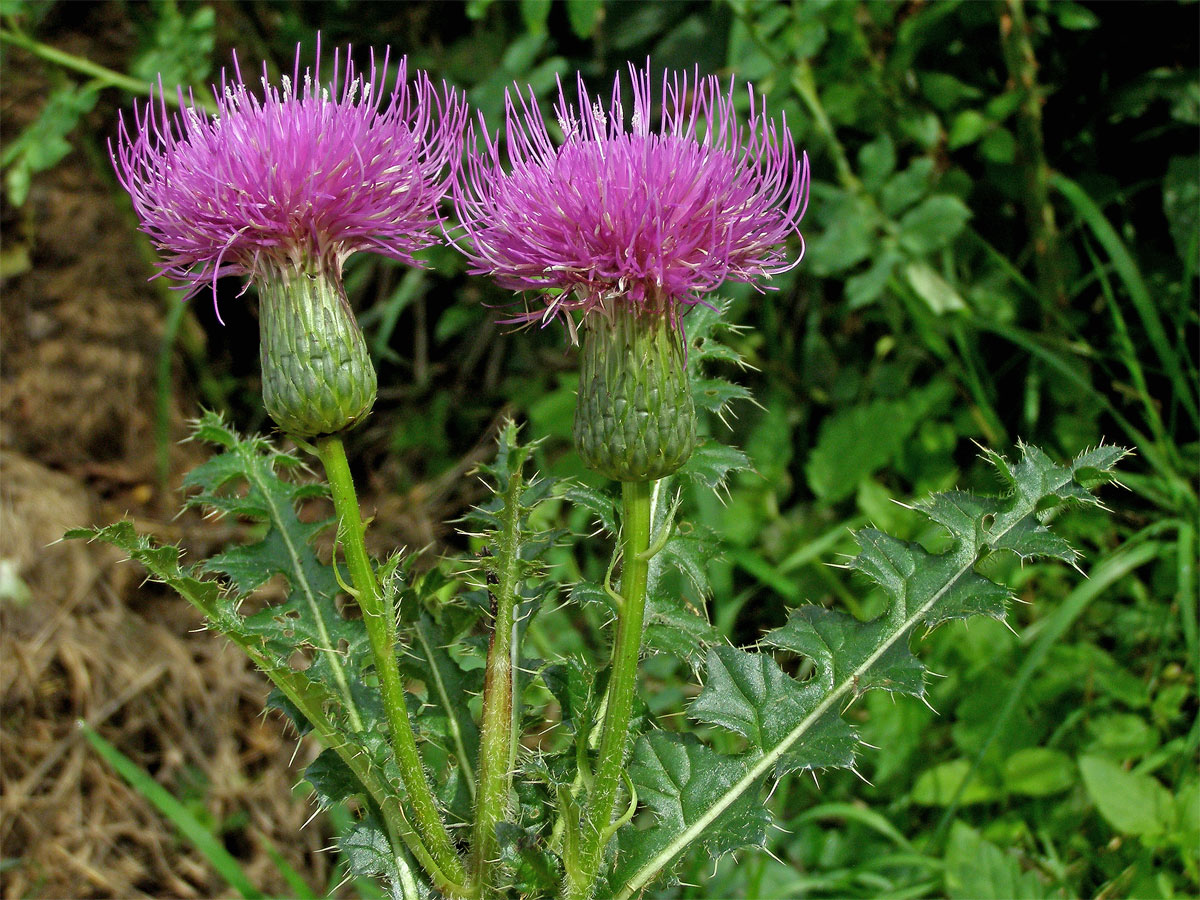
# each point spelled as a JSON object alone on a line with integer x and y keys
{"x": 80, "y": 336}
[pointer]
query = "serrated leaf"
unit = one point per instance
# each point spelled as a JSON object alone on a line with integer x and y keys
{"x": 673, "y": 627}
{"x": 711, "y": 464}
{"x": 368, "y": 854}
{"x": 979, "y": 870}
{"x": 839, "y": 645}
{"x": 331, "y": 779}
{"x": 578, "y": 689}
{"x": 715, "y": 394}
{"x": 244, "y": 479}
{"x": 748, "y": 694}
{"x": 597, "y": 502}
{"x": 535, "y": 871}
{"x": 678, "y": 779}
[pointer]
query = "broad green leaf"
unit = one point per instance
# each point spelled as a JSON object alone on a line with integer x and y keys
{"x": 907, "y": 187}
{"x": 1133, "y": 804}
{"x": 933, "y": 224}
{"x": 939, "y": 295}
{"x": 1181, "y": 205}
{"x": 535, "y": 14}
{"x": 850, "y": 233}
{"x": 584, "y": 16}
{"x": 979, "y": 870}
{"x": 864, "y": 288}
{"x": 876, "y": 161}
{"x": 44, "y": 142}
{"x": 1038, "y": 772}
{"x": 968, "y": 127}
{"x": 940, "y": 786}
{"x": 857, "y": 442}
{"x": 177, "y": 47}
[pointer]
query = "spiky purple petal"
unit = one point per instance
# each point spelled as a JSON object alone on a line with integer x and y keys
{"x": 300, "y": 177}
{"x": 657, "y": 218}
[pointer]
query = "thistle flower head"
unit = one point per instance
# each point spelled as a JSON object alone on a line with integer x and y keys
{"x": 652, "y": 217}
{"x": 297, "y": 178}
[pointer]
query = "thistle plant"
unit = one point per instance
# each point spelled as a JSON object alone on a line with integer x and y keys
{"x": 624, "y": 232}
{"x": 630, "y": 226}
{"x": 283, "y": 188}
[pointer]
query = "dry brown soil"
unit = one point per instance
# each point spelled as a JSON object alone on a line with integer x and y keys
{"x": 80, "y": 333}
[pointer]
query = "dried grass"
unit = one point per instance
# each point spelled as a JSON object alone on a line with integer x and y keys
{"x": 78, "y": 338}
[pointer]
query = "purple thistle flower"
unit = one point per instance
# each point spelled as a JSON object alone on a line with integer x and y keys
{"x": 658, "y": 218}
{"x": 299, "y": 179}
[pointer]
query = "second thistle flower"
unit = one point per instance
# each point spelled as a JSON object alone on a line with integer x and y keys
{"x": 630, "y": 226}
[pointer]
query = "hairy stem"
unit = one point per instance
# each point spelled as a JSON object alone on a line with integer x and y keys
{"x": 498, "y": 733}
{"x": 614, "y": 739}
{"x": 380, "y": 621}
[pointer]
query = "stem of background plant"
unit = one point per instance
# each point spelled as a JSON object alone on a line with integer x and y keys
{"x": 498, "y": 729}
{"x": 105, "y": 76}
{"x": 614, "y": 740}
{"x": 1039, "y": 212}
{"x": 380, "y": 621}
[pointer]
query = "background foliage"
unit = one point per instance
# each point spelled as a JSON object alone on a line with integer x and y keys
{"x": 1002, "y": 244}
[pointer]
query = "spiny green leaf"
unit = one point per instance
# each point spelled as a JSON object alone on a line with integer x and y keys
{"x": 839, "y": 644}
{"x": 672, "y": 626}
{"x": 597, "y": 502}
{"x": 331, "y": 779}
{"x": 678, "y": 779}
{"x": 748, "y": 694}
{"x": 162, "y": 562}
{"x": 789, "y": 724}
{"x": 536, "y": 872}
{"x": 578, "y": 689}
{"x": 368, "y": 854}
{"x": 711, "y": 463}
{"x": 244, "y": 479}
{"x": 447, "y": 687}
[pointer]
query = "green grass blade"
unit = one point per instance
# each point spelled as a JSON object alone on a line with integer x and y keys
{"x": 1139, "y": 294}
{"x": 183, "y": 820}
{"x": 299, "y": 887}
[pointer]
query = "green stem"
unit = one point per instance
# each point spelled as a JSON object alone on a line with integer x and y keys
{"x": 498, "y": 732}
{"x": 380, "y": 622}
{"x": 105, "y": 76}
{"x": 614, "y": 739}
{"x": 400, "y": 832}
